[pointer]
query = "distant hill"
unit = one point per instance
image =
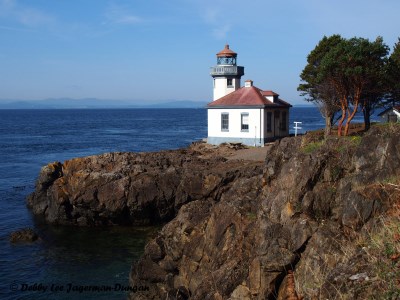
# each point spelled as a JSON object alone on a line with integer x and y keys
{"x": 178, "y": 104}
{"x": 93, "y": 103}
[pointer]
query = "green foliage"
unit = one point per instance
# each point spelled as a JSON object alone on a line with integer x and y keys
{"x": 393, "y": 74}
{"x": 312, "y": 146}
{"x": 345, "y": 73}
{"x": 336, "y": 173}
{"x": 356, "y": 140}
{"x": 251, "y": 216}
{"x": 391, "y": 180}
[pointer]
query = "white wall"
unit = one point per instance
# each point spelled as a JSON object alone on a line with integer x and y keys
{"x": 270, "y": 98}
{"x": 255, "y": 117}
{"x": 221, "y": 89}
{"x": 398, "y": 115}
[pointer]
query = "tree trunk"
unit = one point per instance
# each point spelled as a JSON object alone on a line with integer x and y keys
{"x": 367, "y": 116}
{"x": 343, "y": 107}
{"x": 328, "y": 126}
{"x": 351, "y": 115}
{"x": 340, "y": 124}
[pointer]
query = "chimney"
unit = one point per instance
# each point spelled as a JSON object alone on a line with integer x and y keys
{"x": 248, "y": 83}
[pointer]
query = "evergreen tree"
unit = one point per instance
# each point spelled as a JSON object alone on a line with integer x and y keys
{"x": 350, "y": 69}
{"x": 317, "y": 89}
{"x": 393, "y": 75}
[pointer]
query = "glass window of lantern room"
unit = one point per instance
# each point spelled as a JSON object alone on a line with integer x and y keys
{"x": 224, "y": 121}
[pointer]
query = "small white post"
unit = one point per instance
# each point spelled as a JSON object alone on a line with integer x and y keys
{"x": 255, "y": 136}
{"x": 296, "y": 126}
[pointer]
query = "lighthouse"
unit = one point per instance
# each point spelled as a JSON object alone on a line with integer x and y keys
{"x": 226, "y": 74}
{"x": 248, "y": 114}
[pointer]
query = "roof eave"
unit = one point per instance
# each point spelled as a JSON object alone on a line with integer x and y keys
{"x": 247, "y": 106}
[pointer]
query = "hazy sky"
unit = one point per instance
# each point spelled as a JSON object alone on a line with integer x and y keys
{"x": 162, "y": 50}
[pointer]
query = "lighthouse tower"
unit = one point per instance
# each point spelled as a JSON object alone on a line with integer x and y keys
{"x": 226, "y": 73}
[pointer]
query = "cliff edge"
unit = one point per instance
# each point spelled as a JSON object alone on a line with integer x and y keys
{"x": 316, "y": 225}
{"x": 135, "y": 188}
{"x": 311, "y": 220}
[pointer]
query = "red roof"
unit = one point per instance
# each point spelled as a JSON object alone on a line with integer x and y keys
{"x": 248, "y": 96}
{"x": 269, "y": 93}
{"x": 227, "y": 52}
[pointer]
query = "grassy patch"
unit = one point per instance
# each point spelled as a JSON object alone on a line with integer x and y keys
{"x": 382, "y": 243}
{"x": 393, "y": 180}
{"x": 384, "y": 256}
{"x": 251, "y": 216}
{"x": 312, "y": 146}
{"x": 355, "y": 140}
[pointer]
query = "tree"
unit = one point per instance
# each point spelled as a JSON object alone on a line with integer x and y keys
{"x": 320, "y": 90}
{"x": 351, "y": 67}
{"x": 375, "y": 86}
{"x": 393, "y": 75}
{"x": 328, "y": 105}
{"x": 331, "y": 70}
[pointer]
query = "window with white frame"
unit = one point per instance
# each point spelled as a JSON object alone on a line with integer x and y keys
{"x": 245, "y": 122}
{"x": 224, "y": 121}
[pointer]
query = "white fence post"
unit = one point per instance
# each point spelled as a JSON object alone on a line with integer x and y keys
{"x": 296, "y": 126}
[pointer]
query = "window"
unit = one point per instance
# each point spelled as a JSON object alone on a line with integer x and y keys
{"x": 283, "y": 121}
{"x": 224, "y": 122}
{"x": 269, "y": 121}
{"x": 245, "y": 121}
{"x": 229, "y": 82}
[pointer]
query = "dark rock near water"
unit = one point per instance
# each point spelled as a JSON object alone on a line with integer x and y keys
{"x": 25, "y": 235}
{"x": 236, "y": 227}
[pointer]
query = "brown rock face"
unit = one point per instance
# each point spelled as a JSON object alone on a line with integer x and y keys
{"x": 128, "y": 188}
{"x": 236, "y": 228}
{"x": 296, "y": 216}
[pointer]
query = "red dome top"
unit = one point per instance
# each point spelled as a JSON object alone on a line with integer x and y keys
{"x": 226, "y": 52}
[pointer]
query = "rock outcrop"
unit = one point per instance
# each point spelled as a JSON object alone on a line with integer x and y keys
{"x": 133, "y": 188}
{"x": 24, "y": 235}
{"x": 285, "y": 227}
{"x": 298, "y": 218}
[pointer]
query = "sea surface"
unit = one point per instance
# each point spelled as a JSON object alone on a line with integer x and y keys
{"x": 68, "y": 258}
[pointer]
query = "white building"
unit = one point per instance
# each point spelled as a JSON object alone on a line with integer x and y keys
{"x": 391, "y": 114}
{"x": 246, "y": 114}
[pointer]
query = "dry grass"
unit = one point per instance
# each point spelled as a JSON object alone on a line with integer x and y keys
{"x": 384, "y": 256}
{"x": 365, "y": 264}
{"x": 383, "y": 244}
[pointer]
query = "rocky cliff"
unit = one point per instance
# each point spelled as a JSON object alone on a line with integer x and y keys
{"x": 134, "y": 188}
{"x": 300, "y": 222}
{"x": 311, "y": 213}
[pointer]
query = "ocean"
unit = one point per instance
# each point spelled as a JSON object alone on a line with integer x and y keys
{"x": 66, "y": 259}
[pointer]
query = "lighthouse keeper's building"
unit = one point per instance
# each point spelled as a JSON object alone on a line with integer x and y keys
{"x": 246, "y": 114}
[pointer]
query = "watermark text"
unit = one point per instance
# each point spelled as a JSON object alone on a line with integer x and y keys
{"x": 75, "y": 288}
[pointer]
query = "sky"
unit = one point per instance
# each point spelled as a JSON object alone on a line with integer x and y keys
{"x": 156, "y": 50}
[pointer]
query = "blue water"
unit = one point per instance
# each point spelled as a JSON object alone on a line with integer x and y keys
{"x": 30, "y": 139}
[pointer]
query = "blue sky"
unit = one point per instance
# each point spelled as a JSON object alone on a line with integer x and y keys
{"x": 155, "y": 51}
